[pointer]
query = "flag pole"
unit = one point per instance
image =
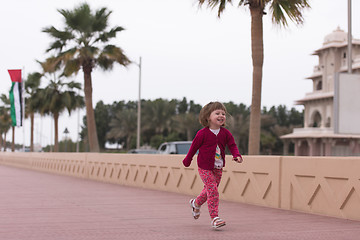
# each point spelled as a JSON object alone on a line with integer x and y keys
{"x": 23, "y": 106}
{"x": 349, "y": 58}
{"x": 78, "y": 127}
{"x": 16, "y": 101}
{"x": 139, "y": 109}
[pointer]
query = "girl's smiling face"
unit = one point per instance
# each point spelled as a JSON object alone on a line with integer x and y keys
{"x": 217, "y": 119}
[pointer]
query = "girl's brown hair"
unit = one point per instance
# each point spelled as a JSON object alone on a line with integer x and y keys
{"x": 207, "y": 110}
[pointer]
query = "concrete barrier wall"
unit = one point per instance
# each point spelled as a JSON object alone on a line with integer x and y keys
{"x": 318, "y": 185}
{"x": 322, "y": 185}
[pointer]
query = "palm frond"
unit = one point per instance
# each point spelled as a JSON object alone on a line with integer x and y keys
{"x": 61, "y": 35}
{"x": 73, "y": 85}
{"x": 214, "y": 3}
{"x": 80, "y": 19}
{"x": 71, "y": 66}
{"x": 57, "y": 45}
{"x": 292, "y": 9}
{"x": 88, "y": 52}
{"x": 111, "y": 54}
{"x": 33, "y": 81}
{"x": 59, "y": 95}
{"x": 101, "y": 20}
{"x": 105, "y": 63}
{"x": 69, "y": 54}
{"x": 5, "y": 99}
{"x": 51, "y": 64}
{"x": 106, "y": 36}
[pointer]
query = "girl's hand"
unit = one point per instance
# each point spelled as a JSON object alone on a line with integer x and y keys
{"x": 238, "y": 159}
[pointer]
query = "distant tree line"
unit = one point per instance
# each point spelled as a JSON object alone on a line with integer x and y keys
{"x": 177, "y": 120}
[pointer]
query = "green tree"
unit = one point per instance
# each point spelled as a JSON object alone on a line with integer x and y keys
{"x": 102, "y": 119}
{"x": 33, "y": 101}
{"x": 281, "y": 11}
{"x": 276, "y": 122}
{"x": 187, "y": 125}
{"x": 177, "y": 120}
{"x": 57, "y": 97}
{"x": 267, "y": 137}
{"x": 238, "y": 124}
{"x": 124, "y": 125}
{"x": 296, "y": 118}
{"x": 182, "y": 106}
{"x": 158, "y": 115}
{"x": 6, "y": 111}
{"x": 5, "y": 118}
{"x": 84, "y": 43}
{"x": 194, "y": 108}
{"x": 104, "y": 113}
{"x": 187, "y": 122}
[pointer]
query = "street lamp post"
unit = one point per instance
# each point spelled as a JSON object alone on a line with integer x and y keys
{"x": 78, "y": 127}
{"x": 349, "y": 60}
{"x": 139, "y": 109}
{"x": 66, "y": 132}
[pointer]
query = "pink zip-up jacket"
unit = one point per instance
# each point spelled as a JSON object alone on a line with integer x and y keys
{"x": 206, "y": 141}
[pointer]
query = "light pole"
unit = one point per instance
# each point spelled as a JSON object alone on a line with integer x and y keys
{"x": 78, "y": 125}
{"x": 349, "y": 39}
{"x": 66, "y": 132}
{"x": 139, "y": 108}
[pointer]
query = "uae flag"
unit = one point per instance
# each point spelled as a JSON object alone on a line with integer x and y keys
{"x": 15, "y": 97}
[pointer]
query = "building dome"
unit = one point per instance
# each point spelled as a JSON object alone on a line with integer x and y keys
{"x": 337, "y": 35}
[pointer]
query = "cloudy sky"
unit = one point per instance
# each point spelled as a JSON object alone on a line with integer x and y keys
{"x": 186, "y": 51}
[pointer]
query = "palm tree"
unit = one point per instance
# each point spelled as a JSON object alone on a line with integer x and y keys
{"x": 33, "y": 101}
{"x": 158, "y": 116}
{"x": 281, "y": 11}
{"x": 5, "y": 124}
{"x": 238, "y": 124}
{"x": 5, "y": 120}
{"x": 57, "y": 97}
{"x": 187, "y": 123}
{"x": 83, "y": 44}
{"x": 123, "y": 125}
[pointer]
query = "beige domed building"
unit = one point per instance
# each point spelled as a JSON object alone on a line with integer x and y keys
{"x": 332, "y": 109}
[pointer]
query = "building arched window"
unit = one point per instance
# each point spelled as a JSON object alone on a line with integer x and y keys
{"x": 316, "y": 119}
{"x": 319, "y": 85}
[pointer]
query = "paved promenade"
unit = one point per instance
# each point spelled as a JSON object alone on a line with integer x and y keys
{"x": 41, "y": 206}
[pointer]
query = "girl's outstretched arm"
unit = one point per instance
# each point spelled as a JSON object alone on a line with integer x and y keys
{"x": 195, "y": 145}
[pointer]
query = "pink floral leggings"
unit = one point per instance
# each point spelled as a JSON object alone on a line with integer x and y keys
{"x": 210, "y": 193}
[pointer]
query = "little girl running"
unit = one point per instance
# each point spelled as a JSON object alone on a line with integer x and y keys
{"x": 211, "y": 142}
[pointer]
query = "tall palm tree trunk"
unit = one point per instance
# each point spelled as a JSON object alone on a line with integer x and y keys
{"x": 31, "y": 132}
{"x": 13, "y": 139}
{"x": 56, "y": 127}
{"x": 188, "y": 135}
{"x": 5, "y": 147}
{"x": 90, "y": 116}
{"x": 258, "y": 59}
{"x": 128, "y": 142}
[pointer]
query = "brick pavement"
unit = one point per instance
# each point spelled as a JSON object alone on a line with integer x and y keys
{"x": 39, "y": 206}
